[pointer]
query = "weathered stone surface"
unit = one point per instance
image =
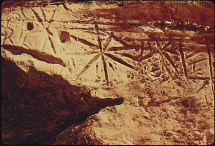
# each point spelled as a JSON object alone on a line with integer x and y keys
{"x": 169, "y": 121}
{"x": 107, "y": 73}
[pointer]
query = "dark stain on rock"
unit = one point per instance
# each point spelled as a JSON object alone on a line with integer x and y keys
{"x": 191, "y": 104}
{"x": 186, "y": 103}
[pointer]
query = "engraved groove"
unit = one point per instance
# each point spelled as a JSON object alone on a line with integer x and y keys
{"x": 190, "y": 55}
{"x": 37, "y": 16}
{"x": 43, "y": 13}
{"x": 210, "y": 64}
{"x": 183, "y": 60}
{"x": 85, "y": 53}
{"x": 110, "y": 64}
{"x": 88, "y": 65}
{"x": 65, "y": 7}
{"x": 83, "y": 41}
{"x": 107, "y": 42}
{"x": 52, "y": 44}
{"x": 119, "y": 60}
{"x": 210, "y": 61}
{"x": 128, "y": 47}
{"x": 22, "y": 12}
{"x": 205, "y": 83}
{"x": 166, "y": 45}
{"x": 147, "y": 55}
{"x": 99, "y": 40}
{"x": 128, "y": 55}
{"x": 105, "y": 68}
{"x": 172, "y": 51}
{"x": 165, "y": 65}
{"x": 49, "y": 32}
{"x": 170, "y": 60}
{"x": 119, "y": 40}
{"x": 196, "y": 61}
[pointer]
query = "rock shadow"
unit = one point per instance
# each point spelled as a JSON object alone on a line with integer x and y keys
{"x": 36, "y": 107}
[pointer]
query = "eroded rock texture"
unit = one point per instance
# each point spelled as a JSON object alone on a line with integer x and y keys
{"x": 107, "y": 73}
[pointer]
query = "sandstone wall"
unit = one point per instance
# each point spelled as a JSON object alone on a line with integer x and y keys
{"x": 107, "y": 72}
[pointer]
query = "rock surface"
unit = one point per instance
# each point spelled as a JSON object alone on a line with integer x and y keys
{"x": 113, "y": 72}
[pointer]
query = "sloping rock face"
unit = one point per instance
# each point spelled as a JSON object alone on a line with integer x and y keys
{"x": 37, "y": 106}
{"x": 128, "y": 73}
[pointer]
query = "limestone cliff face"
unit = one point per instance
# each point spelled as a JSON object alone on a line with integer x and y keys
{"x": 107, "y": 73}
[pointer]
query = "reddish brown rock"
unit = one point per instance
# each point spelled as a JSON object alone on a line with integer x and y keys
{"x": 113, "y": 72}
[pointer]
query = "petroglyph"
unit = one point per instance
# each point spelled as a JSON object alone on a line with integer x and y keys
{"x": 149, "y": 56}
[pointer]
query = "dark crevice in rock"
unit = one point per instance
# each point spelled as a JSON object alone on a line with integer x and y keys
{"x": 37, "y": 111}
{"x": 48, "y": 137}
{"x": 36, "y": 54}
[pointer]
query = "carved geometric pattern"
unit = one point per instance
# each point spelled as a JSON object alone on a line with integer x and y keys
{"x": 175, "y": 52}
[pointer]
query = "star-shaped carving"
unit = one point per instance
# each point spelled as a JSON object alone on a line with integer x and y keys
{"x": 7, "y": 33}
{"x": 46, "y": 28}
{"x": 101, "y": 51}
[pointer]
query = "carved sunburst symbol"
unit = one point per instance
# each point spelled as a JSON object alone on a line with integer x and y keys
{"x": 102, "y": 51}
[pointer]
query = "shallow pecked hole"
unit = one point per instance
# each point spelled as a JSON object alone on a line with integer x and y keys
{"x": 64, "y": 36}
{"x": 30, "y": 26}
